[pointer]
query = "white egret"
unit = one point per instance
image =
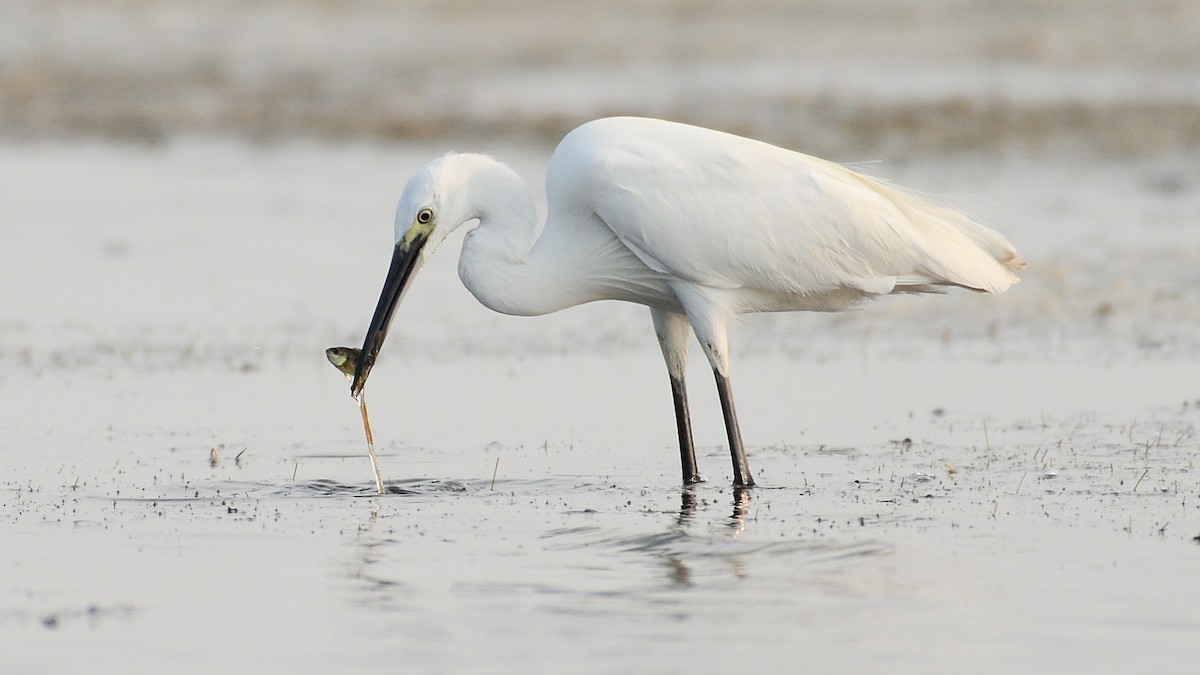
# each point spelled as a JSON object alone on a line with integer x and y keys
{"x": 697, "y": 225}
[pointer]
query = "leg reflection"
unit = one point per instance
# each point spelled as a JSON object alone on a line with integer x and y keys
{"x": 680, "y": 556}
{"x": 687, "y": 507}
{"x": 688, "y": 502}
{"x": 741, "y": 509}
{"x": 678, "y": 571}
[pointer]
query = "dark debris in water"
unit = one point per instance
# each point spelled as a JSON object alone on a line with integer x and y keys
{"x": 332, "y": 488}
{"x": 222, "y": 491}
{"x": 91, "y": 613}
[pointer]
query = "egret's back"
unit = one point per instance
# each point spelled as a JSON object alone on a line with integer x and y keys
{"x": 726, "y": 212}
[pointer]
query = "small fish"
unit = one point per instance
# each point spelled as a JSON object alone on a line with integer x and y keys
{"x": 344, "y": 359}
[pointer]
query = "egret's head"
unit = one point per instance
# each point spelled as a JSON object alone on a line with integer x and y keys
{"x": 435, "y": 202}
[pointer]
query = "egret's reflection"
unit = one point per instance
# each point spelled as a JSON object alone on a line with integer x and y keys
{"x": 698, "y": 543}
{"x": 741, "y": 509}
{"x": 688, "y": 501}
{"x": 687, "y": 507}
{"x": 679, "y": 572}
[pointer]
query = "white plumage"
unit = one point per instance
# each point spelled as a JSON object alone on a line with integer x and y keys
{"x": 696, "y": 224}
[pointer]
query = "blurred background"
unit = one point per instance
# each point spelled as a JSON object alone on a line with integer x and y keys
{"x": 233, "y": 164}
{"x": 854, "y": 79}
{"x": 218, "y": 178}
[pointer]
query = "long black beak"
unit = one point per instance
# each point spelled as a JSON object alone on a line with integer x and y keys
{"x": 406, "y": 260}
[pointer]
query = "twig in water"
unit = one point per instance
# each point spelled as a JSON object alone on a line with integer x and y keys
{"x": 494, "y": 470}
{"x": 1020, "y": 482}
{"x": 1139, "y": 480}
{"x": 986, "y": 441}
{"x": 362, "y": 409}
{"x": 295, "y": 469}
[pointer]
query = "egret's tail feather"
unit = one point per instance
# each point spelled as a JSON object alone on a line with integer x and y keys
{"x": 951, "y": 249}
{"x": 958, "y": 251}
{"x": 986, "y": 262}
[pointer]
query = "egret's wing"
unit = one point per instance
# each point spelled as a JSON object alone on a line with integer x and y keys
{"x": 725, "y": 211}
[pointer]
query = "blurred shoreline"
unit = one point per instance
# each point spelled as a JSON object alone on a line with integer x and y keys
{"x": 864, "y": 78}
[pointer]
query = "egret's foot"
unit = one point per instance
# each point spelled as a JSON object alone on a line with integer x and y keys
{"x": 741, "y": 483}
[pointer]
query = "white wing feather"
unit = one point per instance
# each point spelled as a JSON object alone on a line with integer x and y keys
{"x": 728, "y": 212}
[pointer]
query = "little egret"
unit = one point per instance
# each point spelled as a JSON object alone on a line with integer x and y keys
{"x": 697, "y": 225}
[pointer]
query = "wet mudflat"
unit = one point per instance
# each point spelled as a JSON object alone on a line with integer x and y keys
{"x": 953, "y": 483}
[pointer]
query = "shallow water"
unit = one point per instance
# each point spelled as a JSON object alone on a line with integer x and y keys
{"x": 1051, "y": 540}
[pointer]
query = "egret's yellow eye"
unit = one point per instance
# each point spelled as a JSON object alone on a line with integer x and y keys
{"x": 424, "y": 216}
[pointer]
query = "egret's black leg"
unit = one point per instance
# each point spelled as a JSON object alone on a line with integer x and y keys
{"x": 672, "y": 331}
{"x": 741, "y": 468}
{"x": 683, "y": 424}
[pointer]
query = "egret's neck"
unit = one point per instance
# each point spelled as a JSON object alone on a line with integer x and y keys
{"x": 504, "y": 208}
{"x": 512, "y": 270}
{"x": 494, "y": 264}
